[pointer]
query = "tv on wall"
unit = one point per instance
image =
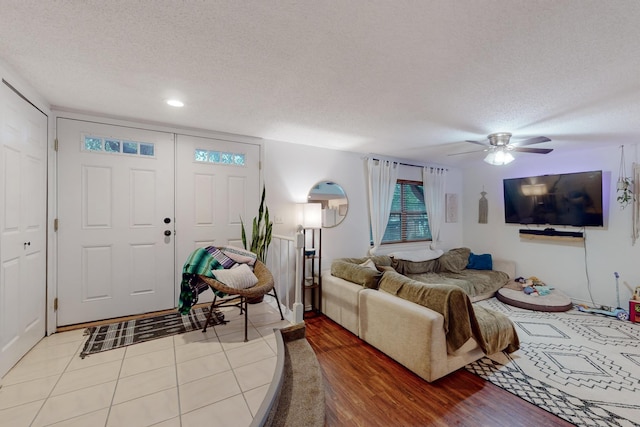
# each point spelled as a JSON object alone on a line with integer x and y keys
{"x": 573, "y": 199}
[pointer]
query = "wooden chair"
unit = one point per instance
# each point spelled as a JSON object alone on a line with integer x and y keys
{"x": 240, "y": 297}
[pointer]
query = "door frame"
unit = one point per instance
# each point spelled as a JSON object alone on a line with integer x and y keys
{"x": 52, "y": 255}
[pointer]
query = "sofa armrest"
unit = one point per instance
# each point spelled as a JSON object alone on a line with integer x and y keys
{"x": 410, "y": 334}
{"x": 340, "y": 301}
{"x": 507, "y": 266}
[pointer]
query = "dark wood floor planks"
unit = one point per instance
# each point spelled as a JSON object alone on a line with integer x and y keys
{"x": 364, "y": 387}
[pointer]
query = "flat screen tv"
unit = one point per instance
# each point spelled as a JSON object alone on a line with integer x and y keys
{"x": 573, "y": 199}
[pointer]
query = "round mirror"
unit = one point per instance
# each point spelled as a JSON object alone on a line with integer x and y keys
{"x": 334, "y": 202}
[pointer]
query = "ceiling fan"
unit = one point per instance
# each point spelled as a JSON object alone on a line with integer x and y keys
{"x": 499, "y": 147}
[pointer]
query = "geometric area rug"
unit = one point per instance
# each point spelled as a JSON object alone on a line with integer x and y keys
{"x": 584, "y": 368}
{"x": 121, "y": 334}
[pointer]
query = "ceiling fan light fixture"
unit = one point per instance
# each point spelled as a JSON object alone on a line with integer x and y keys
{"x": 175, "y": 103}
{"x": 499, "y": 157}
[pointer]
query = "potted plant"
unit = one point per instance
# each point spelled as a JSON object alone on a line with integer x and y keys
{"x": 624, "y": 186}
{"x": 625, "y": 191}
{"x": 260, "y": 235}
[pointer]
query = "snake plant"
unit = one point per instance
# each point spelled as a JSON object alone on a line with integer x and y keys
{"x": 261, "y": 231}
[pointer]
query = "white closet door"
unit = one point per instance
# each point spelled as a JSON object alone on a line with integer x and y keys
{"x": 23, "y": 195}
{"x": 115, "y": 204}
{"x": 217, "y": 183}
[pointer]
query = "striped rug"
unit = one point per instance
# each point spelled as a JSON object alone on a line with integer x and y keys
{"x": 121, "y": 334}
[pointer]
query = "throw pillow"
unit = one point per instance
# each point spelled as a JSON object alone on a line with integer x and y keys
{"x": 369, "y": 264}
{"x": 377, "y": 260}
{"x": 480, "y": 262}
{"x": 219, "y": 256}
{"x": 239, "y": 255}
{"x": 454, "y": 261}
{"x": 239, "y": 277}
{"x": 355, "y": 273}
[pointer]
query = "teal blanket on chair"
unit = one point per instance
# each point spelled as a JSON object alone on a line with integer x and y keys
{"x": 200, "y": 262}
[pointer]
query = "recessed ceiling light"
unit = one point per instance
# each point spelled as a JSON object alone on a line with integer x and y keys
{"x": 175, "y": 103}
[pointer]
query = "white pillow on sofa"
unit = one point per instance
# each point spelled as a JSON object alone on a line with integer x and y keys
{"x": 238, "y": 277}
{"x": 418, "y": 255}
{"x": 369, "y": 264}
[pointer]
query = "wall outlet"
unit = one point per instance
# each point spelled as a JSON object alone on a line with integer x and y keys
{"x": 278, "y": 220}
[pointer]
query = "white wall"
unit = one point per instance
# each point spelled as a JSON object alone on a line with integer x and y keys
{"x": 291, "y": 170}
{"x": 289, "y": 173}
{"x": 570, "y": 267}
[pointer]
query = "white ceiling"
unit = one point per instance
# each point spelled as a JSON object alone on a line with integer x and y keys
{"x": 409, "y": 79}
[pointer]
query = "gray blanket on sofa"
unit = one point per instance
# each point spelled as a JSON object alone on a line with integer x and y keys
{"x": 451, "y": 269}
{"x": 473, "y": 282}
{"x": 492, "y": 331}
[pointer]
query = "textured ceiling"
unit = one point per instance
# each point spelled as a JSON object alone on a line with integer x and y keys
{"x": 411, "y": 79}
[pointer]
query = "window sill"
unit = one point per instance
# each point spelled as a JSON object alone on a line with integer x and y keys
{"x": 386, "y": 249}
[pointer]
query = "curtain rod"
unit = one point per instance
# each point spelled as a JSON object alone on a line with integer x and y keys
{"x": 400, "y": 162}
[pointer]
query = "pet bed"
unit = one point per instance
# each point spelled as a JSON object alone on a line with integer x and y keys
{"x": 512, "y": 294}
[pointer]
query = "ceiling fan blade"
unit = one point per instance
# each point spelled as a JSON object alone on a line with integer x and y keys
{"x": 533, "y": 150}
{"x": 530, "y": 141}
{"x": 468, "y": 152}
{"x": 477, "y": 142}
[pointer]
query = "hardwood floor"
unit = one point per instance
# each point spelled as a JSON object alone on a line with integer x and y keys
{"x": 364, "y": 387}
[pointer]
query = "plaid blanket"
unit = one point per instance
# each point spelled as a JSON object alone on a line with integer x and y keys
{"x": 202, "y": 261}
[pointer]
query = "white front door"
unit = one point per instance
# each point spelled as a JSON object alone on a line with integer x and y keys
{"x": 23, "y": 195}
{"x": 115, "y": 204}
{"x": 218, "y": 182}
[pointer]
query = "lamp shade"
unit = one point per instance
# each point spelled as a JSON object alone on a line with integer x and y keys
{"x": 499, "y": 157}
{"x": 310, "y": 215}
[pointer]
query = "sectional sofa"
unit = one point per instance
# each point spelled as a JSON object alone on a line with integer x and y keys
{"x": 391, "y": 311}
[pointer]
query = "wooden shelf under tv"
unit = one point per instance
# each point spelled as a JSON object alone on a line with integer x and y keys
{"x": 556, "y": 238}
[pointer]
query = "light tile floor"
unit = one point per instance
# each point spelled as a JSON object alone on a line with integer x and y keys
{"x": 192, "y": 379}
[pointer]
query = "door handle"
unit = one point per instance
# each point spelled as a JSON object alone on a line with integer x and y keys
{"x": 167, "y": 232}
{"x": 27, "y": 244}
{"x": 167, "y": 220}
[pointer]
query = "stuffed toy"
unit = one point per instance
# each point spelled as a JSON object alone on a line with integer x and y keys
{"x": 533, "y": 286}
{"x": 543, "y": 290}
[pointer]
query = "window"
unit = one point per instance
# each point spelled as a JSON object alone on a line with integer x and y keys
{"x": 211, "y": 156}
{"x": 408, "y": 220}
{"x": 98, "y": 144}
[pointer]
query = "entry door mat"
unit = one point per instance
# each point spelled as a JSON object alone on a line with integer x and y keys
{"x": 582, "y": 367}
{"x": 122, "y": 334}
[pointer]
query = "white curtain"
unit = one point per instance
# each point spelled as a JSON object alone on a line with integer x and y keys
{"x": 433, "y": 180}
{"x": 635, "y": 233}
{"x": 382, "y": 176}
